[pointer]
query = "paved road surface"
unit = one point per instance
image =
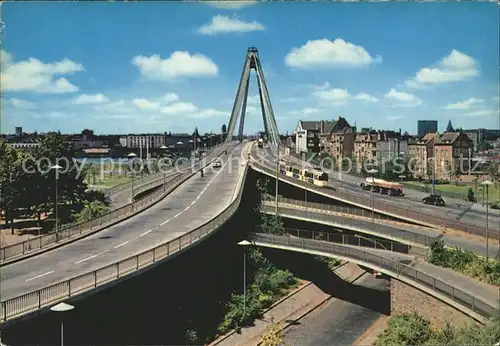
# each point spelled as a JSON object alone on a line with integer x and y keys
{"x": 395, "y": 230}
{"x": 455, "y": 210}
{"x": 191, "y": 205}
{"x": 338, "y": 322}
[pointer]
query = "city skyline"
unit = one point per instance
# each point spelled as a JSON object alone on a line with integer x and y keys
{"x": 145, "y": 70}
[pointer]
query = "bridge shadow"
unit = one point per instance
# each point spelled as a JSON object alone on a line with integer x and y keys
{"x": 309, "y": 268}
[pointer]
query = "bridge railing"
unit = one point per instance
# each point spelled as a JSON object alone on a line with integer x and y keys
{"x": 393, "y": 268}
{"x": 342, "y": 239}
{"x": 142, "y": 180}
{"x": 31, "y": 245}
{"x": 52, "y": 294}
{"x": 341, "y": 209}
{"x": 375, "y": 229}
{"x": 381, "y": 207}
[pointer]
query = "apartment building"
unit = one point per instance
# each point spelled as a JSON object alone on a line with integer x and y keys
{"x": 421, "y": 152}
{"x": 307, "y": 137}
{"x": 145, "y": 140}
{"x": 365, "y": 147}
{"x": 341, "y": 140}
{"x": 452, "y": 155}
{"x": 391, "y": 145}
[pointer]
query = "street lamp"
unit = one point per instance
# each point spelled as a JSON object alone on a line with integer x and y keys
{"x": 179, "y": 143}
{"x": 277, "y": 177}
{"x": 487, "y": 183}
{"x": 372, "y": 173}
{"x": 57, "y": 168}
{"x": 62, "y": 308}
{"x": 244, "y": 243}
{"x": 163, "y": 148}
{"x": 131, "y": 157}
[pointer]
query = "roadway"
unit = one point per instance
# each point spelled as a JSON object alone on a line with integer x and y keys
{"x": 384, "y": 228}
{"x": 339, "y": 322}
{"x": 455, "y": 210}
{"x": 194, "y": 203}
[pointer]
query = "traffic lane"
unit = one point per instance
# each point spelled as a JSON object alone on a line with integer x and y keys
{"x": 382, "y": 229}
{"x": 458, "y": 208}
{"x": 338, "y": 322}
{"x": 450, "y": 212}
{"x": 58, "y": 264}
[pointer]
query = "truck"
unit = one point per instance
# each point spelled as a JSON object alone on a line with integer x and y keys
{"x": 383, "y": 186}
{"x": 260, "y": 143}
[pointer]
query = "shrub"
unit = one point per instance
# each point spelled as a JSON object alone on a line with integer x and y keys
{"x": 405, "y": 329}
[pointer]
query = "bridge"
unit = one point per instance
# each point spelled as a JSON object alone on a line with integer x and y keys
{"x": 184, "y": 208}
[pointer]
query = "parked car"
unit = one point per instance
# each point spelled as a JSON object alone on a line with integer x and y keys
{"x": 217, "y": 164}
{"x": 434, "y": 200}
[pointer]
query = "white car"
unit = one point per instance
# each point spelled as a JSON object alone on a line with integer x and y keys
{"x": 217, "y": 164}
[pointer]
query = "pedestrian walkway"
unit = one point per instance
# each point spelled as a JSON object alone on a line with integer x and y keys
{"x": 291, "y": 308}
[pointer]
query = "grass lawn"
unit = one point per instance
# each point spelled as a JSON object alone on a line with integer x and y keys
{"x": 462, "y": 190}
{"x": 109, "y": 180}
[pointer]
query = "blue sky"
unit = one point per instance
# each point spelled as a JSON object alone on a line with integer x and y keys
{"x": 155, "y": 67}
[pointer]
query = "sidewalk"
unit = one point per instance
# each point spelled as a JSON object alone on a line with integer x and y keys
{"x": 486, "y": 292}
{"x": 291, "y": 308}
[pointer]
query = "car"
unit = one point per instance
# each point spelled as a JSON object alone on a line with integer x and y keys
{"x": 434, "y": 200}
{"x": 217, "y": 164}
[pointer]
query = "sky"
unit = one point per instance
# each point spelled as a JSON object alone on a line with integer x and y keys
{"x": 150, "y": 67}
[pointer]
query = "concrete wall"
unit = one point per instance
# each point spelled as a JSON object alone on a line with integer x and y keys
{"x": 406, "y": 299}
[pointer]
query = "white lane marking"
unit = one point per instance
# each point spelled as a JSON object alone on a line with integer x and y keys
{"x": 203, "y": 190}
{"x": 143, "y": 234}
{"x": 120, "y": 245}
{"x": 86, "y": 259}
{"x": 39, "y": 276}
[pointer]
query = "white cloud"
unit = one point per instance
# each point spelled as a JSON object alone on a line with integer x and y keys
{"x": 179, "y": 64}
{"x": 230, "y": 5}
{"x": 224, "y": 25}
{"x": 252, "y": 109}
{"x": 290, "y": 99}
{"x": 146, "y": 105}
{"x": 325, "y": 53}
{"x": 253, "y": 99}
{"x": 454, "y": 67}
{"x": 394, "y": 117}
{"x": 170, "y": 97}
{"x": 209, "y": 113}
{"x": 366, "y": 97}
{"x": 36, "y": 76}
{"x": 335, "y": 95}
{"x": 483, "y": 113}
{"x": 21, "y": 104}
{"x": 403, "y": 99}
{"x": 91, "y": 99}
{"x": 307, "y": 111}
{"x": 465, "y": 104}
{"x": 180, "y": 108}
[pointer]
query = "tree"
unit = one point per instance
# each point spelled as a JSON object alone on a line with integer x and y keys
{"x": 223, "y": 129}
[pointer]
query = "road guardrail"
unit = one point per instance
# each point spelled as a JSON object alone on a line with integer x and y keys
{"x": 388, "y": 266}
{"x": 375, "y": 229}
{"x": 52, "y": 294}
{"x": 381, "y": 207}
{"x": 342, "y": 239}
{"x": 25, "y": 248}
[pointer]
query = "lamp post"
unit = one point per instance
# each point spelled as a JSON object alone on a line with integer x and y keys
{"x": 277, "y": 177}
{"x": 372, "y": 173}
{"x": 244, "y": 243}
{"x": 487, "y": 183}
{"x": 62, "y": 308}
{"x": 131, "y": 157}
{"x": 56, "y": 168}
{"x": 179, "y": 143}
{"x": 163, "y": 148}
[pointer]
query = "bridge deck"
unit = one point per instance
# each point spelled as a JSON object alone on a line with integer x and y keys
{"x": 383, "y": 228}
{"x": 459, "y": 213}
{"x": 192, "y": 204}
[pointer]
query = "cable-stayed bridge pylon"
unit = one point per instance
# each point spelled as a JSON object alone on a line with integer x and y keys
{"x": 252, "y": 62}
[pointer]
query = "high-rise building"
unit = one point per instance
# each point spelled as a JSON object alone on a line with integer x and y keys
{"x": 426, "y": 126}
{"x": 19, "y": 131}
